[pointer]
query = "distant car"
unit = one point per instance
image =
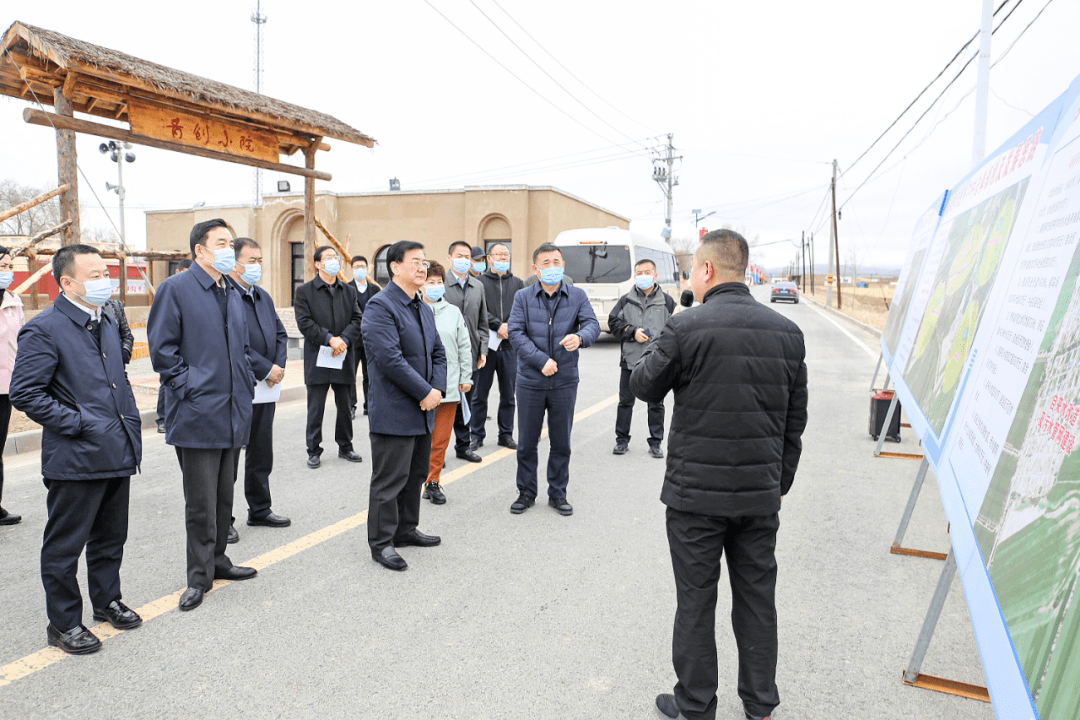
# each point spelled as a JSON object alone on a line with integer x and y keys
{"x": 784, "y": 290}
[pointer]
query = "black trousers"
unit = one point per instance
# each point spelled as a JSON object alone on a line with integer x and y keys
{"x": 625, "y": 413}
{"x": 399, "y": 467}
{"x": 462, "y": 431}
{"x": 559, "y": 406}
{"x": 503, "y": 362}
{"x": 258, "y": 460}
{"x": 5, "y": 423}
{"x": 316, "y": 406}
{"x": 359, "y": 363}
{"x": 83, "y": 513}
{"x": 208, "y": 499}
{"x": 697, "y": 543}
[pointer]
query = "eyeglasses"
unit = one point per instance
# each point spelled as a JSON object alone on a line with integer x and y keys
{"x": 501, "y": 256}
{"x": 418, "y": 264}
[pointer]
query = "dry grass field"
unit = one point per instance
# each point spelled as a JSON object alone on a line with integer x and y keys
{"x": 864, "y": 304}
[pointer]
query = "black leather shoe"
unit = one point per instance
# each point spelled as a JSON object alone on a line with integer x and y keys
{"x": 119, "y": 615}
{"x": 270, "y": 520}
{"x": 470, "y": 456}
{"x": 389, "y": 559}
{"x": 76, "y": 641}
{"x": 476, "y": 444}
{"x": 620, "y": 449}
{"x": 561, "y": 506}
{"x": 434, "y": 493}
{"x": 235, "y": 573}
{"x": 656, "y": 452}
{"x": 191, "y": 599}
{"x": 313, "y": 461}
{"x": 234, "y": 537}
{"x": 667, "y": 709}
{"x": 523, "y": 503}
{"x": 508, "y": 443}
{"x": 161, "y": 429}
{"x": 350, "y": 455}
{"x": 417, "y": 539}
{"x": 7, "y": 518}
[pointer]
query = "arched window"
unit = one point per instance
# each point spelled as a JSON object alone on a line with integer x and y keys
{"x": 382, "y": 270}
{"x": 495, "y": 229}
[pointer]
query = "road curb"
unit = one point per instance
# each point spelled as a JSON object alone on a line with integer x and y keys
{"x": 30, "y": 440}
{"x": 834, "y": 311}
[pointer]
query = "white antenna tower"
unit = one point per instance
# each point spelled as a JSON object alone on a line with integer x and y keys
{"x": 258, "y": 19}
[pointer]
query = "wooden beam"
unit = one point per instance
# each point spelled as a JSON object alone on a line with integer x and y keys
{"x": 341, "y": 249}
{"x": 123, "y": 280}
{"x": 69, "y": 85}
{"x": 90, "y": 103}
{"x": 67, "y": 162}
{"x": 24, "y": 206}
{"x": 32, "y": 280}
{"x": 309, "y": 214}
{"x": 37, "y": 117}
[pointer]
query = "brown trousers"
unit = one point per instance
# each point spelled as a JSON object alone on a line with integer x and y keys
{"x": 440, "y": 438}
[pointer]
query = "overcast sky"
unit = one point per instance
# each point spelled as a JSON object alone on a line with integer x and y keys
{"x": 760, "y": 97}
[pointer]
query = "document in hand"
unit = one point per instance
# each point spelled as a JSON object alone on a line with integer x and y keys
{"x": 266, "y": 394}
{"x": 493, "y": 340}
{"x": 326, "y": 358}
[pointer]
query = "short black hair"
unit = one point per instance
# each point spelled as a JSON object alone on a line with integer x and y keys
{"x": 462, "y": 243}
{"x": 396, "y": 252}
{"x": 201, "y": 230}
{"x": 184, "y": 264}
{"x": 4, "y": 251}
{"x": 726, "y": 249}
{"x": 242, "y": 242}
{"x": 642, "y": 261}
{"x": 494, "y": 245}
{"x": 545, "y": 248}
{"x": 320, "y": 250}
{"x": 64, "y": 261}
{"x": 358, "y": 258}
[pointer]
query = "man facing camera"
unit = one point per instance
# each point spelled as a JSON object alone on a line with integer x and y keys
{"x": 69, "y": 377}
{"x": 408, "y": 381}
{"x": 199, "y": 345}
{"x": 739, "y": 376}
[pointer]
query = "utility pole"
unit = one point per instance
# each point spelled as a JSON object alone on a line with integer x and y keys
{"x": 813, "y": 275}
{"x": 802, "y": 252}
{"x": 833, "y": 245}
{"x": 982, "y": 86}
{"x": 664, "y": 175}
{"x": 259, "y": 20}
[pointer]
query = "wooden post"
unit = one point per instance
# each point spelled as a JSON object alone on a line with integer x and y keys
{"x": 69, "y": 172}
{"x": 31, "y": 258}
{"x": 123, "y": 280}
{"x": 309, "y": 211}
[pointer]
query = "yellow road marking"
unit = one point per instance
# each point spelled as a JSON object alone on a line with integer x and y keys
{"x": 48, "y": 656}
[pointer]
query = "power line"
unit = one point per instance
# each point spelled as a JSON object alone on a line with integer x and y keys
{"x": 515, "y": 76}
{"x": 585, "y": 162}
{"x": 936, "y": 77}
{"x": 549, "y": 75}
{"x": 582, "y": 82}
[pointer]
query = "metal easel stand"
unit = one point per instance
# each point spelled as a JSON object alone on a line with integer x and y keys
{"x": 880, "y": 359}
{"x": 912, "y": 676}
{"x": 896, "y": 548}
{"x": 893, "y": 405}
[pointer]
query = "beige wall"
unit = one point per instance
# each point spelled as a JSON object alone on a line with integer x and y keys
{"x": 372, "y": 221}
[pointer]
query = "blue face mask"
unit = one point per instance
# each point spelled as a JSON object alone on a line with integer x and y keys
{"x": 462, "y": 265}
{"x": 332, "y": 267}
{"x": 643, "y": 281}
{"x": 6, "y": 278}
{"x": 500, "y": 266}
{"x": 434, "y": 293}
{"x": 98, "y": 291}
{"x": 252, "y": 273}
{"x": 551, "y": 275}
{"x": 224, "y": 260}
{"x": 479, "y": 267}
{"x": 360, "y": 274}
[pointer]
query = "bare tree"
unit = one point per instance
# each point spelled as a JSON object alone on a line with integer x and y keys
{"x": 42, "y": 217}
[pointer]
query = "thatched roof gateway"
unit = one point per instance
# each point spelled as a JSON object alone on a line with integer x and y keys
{"x": 103, "y": 82}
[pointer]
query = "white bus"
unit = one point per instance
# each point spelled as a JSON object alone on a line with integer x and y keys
{"x": 601, "y": 261}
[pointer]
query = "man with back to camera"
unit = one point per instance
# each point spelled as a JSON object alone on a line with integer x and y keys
{"x": 548, "y": 323}
{"x": 466, "y": 293}
{"x": 636, "y": 321}
{"x": 500, "y": 286}
{"x": 365, "y": 290}
{"x": 328, "y": 315}
{"x": 69, "y": 377}
{"x": 739, "y": 375}
{"x": 408, "y": 381}
{"x": 267, "y": 352}
{"x": 199, "y": 346}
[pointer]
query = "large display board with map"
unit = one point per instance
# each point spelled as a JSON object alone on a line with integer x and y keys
{"x": 984, "y": 349}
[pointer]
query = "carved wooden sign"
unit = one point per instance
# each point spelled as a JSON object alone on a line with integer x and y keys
{"x": 189, "y": 129}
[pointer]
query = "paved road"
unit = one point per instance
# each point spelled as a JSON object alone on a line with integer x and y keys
{"x": 530, "y": 616}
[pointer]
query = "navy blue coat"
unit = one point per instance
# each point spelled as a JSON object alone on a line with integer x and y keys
{"x": 268, "y": 343}
{"x": 203, "y": 362}
{"x": 535, "y": 332}
{"x": 324, "y": 311}
{"x": 405, "y": 361}
{"x": 79, "y": 394}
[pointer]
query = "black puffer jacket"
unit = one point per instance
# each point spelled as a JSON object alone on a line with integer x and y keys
{"x": 739, "y": 375}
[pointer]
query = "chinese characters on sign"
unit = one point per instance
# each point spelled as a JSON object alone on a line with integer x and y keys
{"x": 186, "y": 129}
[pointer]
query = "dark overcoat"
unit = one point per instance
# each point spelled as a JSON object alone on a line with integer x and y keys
{"x": 324, "y": 311}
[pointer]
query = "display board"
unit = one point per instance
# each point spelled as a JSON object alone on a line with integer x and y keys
{"x": 984, "y": 350}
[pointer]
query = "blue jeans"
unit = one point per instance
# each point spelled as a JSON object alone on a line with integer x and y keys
{"x": 559, "y": 405}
